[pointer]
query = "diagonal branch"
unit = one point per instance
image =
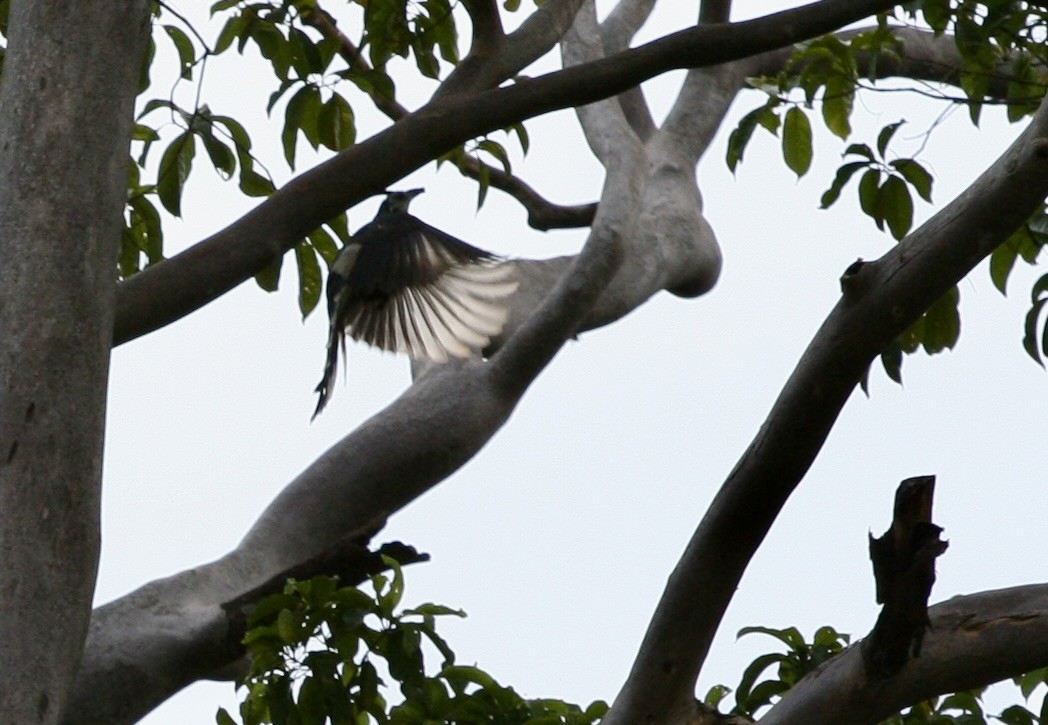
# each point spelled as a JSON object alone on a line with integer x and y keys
{"x": 973, "y": 641}
{"x": 616, "y": 32}
{"x": 536, "y": 36}
{"x": 182, "y": 284}
{"x": 923, "y": 56}
{"x": 487, "y": 27}
{"x": 880, "y": 300}
{"x": 606, "y": 124}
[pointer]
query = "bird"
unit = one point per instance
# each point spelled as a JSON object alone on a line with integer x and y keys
{"x": 404, "y": 286}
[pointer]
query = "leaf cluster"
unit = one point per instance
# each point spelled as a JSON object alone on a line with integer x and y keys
{"x": 1000, "y": 42}
{"x": 756, "y": 691}
{"x": 313, "y": 64}
{"x": 320, "y": 652}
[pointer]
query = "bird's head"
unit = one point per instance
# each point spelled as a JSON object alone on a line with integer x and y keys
{"x": 397, "y": 201}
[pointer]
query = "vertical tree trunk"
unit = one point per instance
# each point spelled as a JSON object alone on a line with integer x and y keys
{"x": 69, "y": 81}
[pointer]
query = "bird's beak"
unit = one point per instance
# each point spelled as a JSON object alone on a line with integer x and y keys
{"x": 414, "y": 192}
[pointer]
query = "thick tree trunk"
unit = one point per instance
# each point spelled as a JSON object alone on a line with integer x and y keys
{"x": 69, "y": 82}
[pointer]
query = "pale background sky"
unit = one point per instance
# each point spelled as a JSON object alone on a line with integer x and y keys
{"x": 558, "y": 538}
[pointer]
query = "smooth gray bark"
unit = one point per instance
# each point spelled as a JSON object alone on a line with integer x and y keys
{"x": 973, "y": 640}
{"x": 65, "y": 121}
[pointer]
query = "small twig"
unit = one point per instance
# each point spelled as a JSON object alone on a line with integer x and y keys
{"x": 714, "y": 11}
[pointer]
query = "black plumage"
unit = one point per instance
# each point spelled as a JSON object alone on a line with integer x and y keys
{"x": 404, "y": 286}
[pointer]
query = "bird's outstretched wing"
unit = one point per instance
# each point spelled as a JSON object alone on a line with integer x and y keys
{"x": 425, "y": 293}
{"x": 404, "y": 286}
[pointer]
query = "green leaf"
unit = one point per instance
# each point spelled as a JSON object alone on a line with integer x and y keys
{"x": 184, "y": 48}
{"x": 496, "y": 150}
{"x": 301, "y": 113}
{"x": 223, "y": 5}
{"x": 749, "y": 676}
{"x": 220, "y": 155}
{"x": 321, "y": 241}
{"x": 837, "y": 106}
{"x": 269, "y": 278}
{"x": 869, "y": 196}
{"x": 740, "y": 137}
{"x": 232, "y": 30}
{"x": 372, "y": 82}
{"x": 289, "y": 627}
{"x": 896, "y": 206}
{"x": 340, "y": 226}
{"x": 309, "y": 279}
{"x": 762, "y": 694}
{"x": 1002, "y": 261}
{"x": 916, "y": 175}
{"x": 436, "y": 610}
{"x": 305, "y": 55}
{"x": 796, "y": 141}
{"x": 1030, "y": 331}
{"x": 483, "y": 183}
{"x": 843, "y": 176}
{"x": 790, "y": 636}
{"x": 1031, "y": 680}
{"x": 942, "y": 323}
{"x": 151, "y": 237}
{"x": 223, "y": 718}
{"x": 522, "y": 137}
{"x": 254, "y": 184}
{"x": 715, "y": 695}
{"x": 891, "y": 360}
{"x": 859, "y": 149}
{"x": 335, "y": 124}
{"x": 175, "y": 166}
{"x": 311, "y": 710}
{"x": 1017, "y": 715}
{"x": 241, "y": 139}
{"x": 885, "y": 136}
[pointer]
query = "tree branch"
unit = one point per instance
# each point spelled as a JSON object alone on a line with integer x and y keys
{"x": 487, "y": 27}
{"x": 182, "y": 284}
{"x": 973, "y": 641}
{"x": 923, "y": 57}
{"x": 322, "y": 21}
{"x": 536, "y": 36}
{"x": 542, "y": 214}
{"x": 605, "y": 124}
{"x": 649, "y": 235}
{"x": 880, "y": 300}
{"x": 616, "y": 33}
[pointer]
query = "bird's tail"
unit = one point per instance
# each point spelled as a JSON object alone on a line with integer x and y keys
{"x": 327, "y": 383}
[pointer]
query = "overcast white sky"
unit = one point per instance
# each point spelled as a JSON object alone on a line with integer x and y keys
{"x": 557, "y": 539}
